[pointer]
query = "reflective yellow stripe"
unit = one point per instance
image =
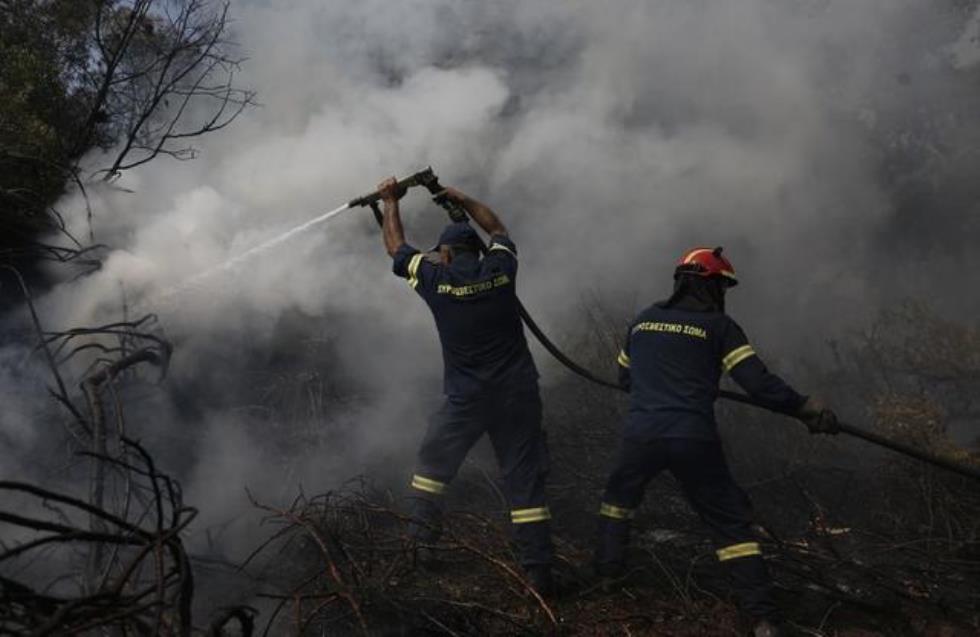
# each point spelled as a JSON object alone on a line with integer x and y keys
{"x": 413, "y": 269}
{"x": 425, "y": 484}
{"x": 413, "y": 264}
{"x": 735, "y": 551}
{"x": 736, "y": 356}
{"x": 623, "y": 359}
{"x": 497, "y": 246}
{"x": 522, "y": 516}
{"x": 615, "y": 512}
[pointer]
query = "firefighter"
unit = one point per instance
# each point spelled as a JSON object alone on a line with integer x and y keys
{"x": 490, "y": 380}
{"x": 675, "y": 353}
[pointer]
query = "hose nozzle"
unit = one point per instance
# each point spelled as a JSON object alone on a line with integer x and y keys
{"x": 421, "y": 178}
{"x": 429, "y": 181}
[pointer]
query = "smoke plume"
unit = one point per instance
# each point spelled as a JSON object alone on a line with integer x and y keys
{"x": 610, "y": 139}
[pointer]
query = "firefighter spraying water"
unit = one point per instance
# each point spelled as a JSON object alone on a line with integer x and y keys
{"x": 490, "y": 379}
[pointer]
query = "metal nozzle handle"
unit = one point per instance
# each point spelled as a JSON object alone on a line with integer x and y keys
{"x": 438, "y": 192}
{"x": 421, "y": 178}
{"x": 425, "y": 178}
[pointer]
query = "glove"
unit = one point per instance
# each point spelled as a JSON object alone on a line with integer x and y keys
{"x": 817, "y": 418}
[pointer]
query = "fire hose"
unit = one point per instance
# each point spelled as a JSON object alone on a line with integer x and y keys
{"x": 427, "y": 179}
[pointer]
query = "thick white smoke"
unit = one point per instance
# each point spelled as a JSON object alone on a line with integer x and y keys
{"x": 610, "y": 138}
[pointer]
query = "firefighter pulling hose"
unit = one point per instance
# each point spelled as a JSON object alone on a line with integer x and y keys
{"x": 672, "y": 359}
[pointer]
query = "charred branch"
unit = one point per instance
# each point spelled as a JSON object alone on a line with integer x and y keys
{"x": 150, "y": 583}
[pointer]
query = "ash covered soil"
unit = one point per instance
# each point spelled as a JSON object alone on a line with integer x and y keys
{"x": 850, "y": 548}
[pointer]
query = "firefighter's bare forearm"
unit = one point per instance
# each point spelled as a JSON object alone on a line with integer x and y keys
{"x": 394, "y": 233}
{"x": 391, "y": 226}
{"x": 479, "y": 212}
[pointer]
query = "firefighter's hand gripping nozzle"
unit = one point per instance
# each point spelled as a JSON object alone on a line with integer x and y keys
{"x": 425, "y": 178}
{"x": 417, "y": 179}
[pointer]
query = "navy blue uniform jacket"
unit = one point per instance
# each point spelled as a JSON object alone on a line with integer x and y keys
{"x": 673, "y": 361}
{"x": 474, "y": 303}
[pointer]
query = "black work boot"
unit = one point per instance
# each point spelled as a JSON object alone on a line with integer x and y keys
{"x": 425, "y": 523}
{"x": 425, "y": 557}
{"x": 609, "y": 570}
{"x": 612, "y": 538}
{"x": 424, "y": 530}
{"x": 539, "y": 576}
{"x": 768, "y": 628}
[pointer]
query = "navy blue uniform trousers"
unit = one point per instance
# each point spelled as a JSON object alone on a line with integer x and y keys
{"x": 512, "y": 420}
{"x": 700, "y": 468}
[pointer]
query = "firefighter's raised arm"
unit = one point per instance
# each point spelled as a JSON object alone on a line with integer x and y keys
{"x": 479, "y": 212}
{"x": 391, "y": 228}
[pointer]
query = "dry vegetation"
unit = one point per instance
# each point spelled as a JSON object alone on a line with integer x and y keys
{"x": 860, "y": 543}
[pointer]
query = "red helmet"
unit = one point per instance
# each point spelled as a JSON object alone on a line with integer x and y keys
{"x": 706, "y": 262}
